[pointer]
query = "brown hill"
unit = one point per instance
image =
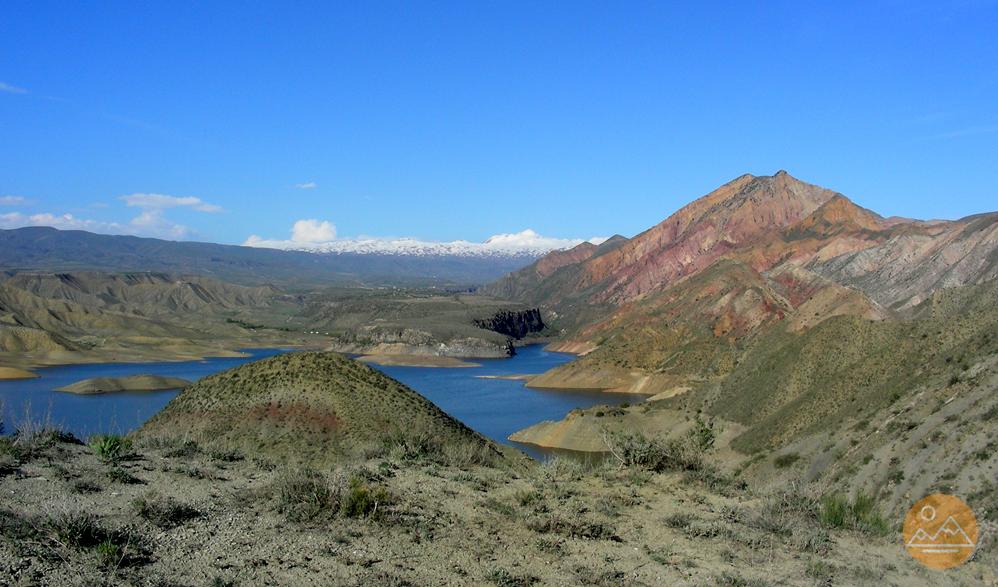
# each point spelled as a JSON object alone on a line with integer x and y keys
{"x": 789, "y": 232}
{"x": 783, "y": 310}
{"x": 83, "y": 317}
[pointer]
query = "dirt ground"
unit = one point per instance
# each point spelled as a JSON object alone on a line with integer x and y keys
{"x": 184, "y": 515}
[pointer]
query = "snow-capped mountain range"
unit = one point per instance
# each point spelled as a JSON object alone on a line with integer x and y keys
{"x": 527, "y": 243}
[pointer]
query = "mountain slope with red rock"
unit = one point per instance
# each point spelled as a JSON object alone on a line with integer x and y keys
{"x": 754, "y": 254}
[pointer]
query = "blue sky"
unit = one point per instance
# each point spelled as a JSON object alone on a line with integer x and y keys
{"x": 461, "y": 120}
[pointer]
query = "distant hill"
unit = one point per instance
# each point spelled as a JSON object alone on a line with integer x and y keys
{"x": 49, "y": 249}
{"x": 57, "y": 318}
{"x": 306, "y": 406}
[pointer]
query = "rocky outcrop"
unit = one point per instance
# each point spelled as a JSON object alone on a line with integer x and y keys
{"x": 513, "y": 323}
{"x": 378, "y": 340}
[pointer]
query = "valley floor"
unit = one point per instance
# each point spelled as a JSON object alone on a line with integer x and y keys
{"x": 180, "y": 514}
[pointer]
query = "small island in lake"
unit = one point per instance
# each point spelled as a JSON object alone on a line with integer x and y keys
{"x": 131, "y": 383}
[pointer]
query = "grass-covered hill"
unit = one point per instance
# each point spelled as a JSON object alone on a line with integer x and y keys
{"x": 309, "y": 407}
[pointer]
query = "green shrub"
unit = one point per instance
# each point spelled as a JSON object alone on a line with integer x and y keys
{"x": 86, "y": 486}
{"x": 305, "y": 495}
{"x": 861, "y": 514}
{"x": 163, "y": 512}
{"x": 678, "y": 520}
{"x": 8, "y": 464}
{"x": 119, "y": 475}
{"x": 110, "y": 448}
{"x": 702, "y": 435}
{"x": 188, "y": 448}
{"x": 109, "y": 554}
{"x": 572, "y": 527}
{"x": 786, "y": 460}
{"x": 504, "y": 578}
{"x": 637, "y": 450}
{"x": 423, "y": 444}
{"x": 363, "y": 501}
{"x": 77, "y": 529}
{"x": 794, "y": 507}
{"x": 226, "y": 455}
{"x": 32, "y": 439}
{"x": 527, "y": 497}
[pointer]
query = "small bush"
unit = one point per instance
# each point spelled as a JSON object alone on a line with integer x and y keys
{"x": 861, "y": 514}
{"x": 109, "y": 554}
{"x": 702, "y": 435}
{"x": 31, "y": 440}
{"x": 226, "y": 455}
{"x": 655, "y": 454}
{"x": 163, "y": 512}
{"x": 77, "y": 529}
{"x": 678, "y": 520}
{"x": 576, "y": 527}
{"x": 86, "y": 486}
{"x": 8, "y": 464}
{"x": 363, "y": 501}
{"x": 527, "y": 497}
{"x": 815, "y": 540}
{"x": 189, "y": 448}
{"x": 504, "y": 578}
{"x": 783, "y": 512}
{"x": 423, "y": 444}
{"x": 119, "y": 475}
{"x": 110, "y": 448}
{"x": 786, "y": 460}
{"x": 730, "y": 579}
{"x": 305, "y": 495}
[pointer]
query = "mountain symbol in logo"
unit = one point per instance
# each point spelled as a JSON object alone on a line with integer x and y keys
{"x": 950, "y": 537}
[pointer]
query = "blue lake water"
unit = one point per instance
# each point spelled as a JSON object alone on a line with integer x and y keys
{"x": 493, "y": 407}
{"x": 123, "y": 412}
{"x": 500, "y": 407}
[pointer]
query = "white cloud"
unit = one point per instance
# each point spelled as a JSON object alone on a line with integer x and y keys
{"x": 61, "y": 221}
{"x": 148, "y": 223}
{"x": 313, "y": 235}
{"x": 151, "y": 222}
{"x": 12, "y": 201}
{"x": 530, "y": 239}
{"x": 161, "y": 201}
{"x": 313, "y": 231}
{"x": 12, "y": 89}
{"x": 308, "y": 185}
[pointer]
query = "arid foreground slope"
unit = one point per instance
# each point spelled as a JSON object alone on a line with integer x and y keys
{"x": 417, "y": 502}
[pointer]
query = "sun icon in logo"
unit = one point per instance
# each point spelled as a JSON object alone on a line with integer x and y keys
{"x": 940, "y": 531}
